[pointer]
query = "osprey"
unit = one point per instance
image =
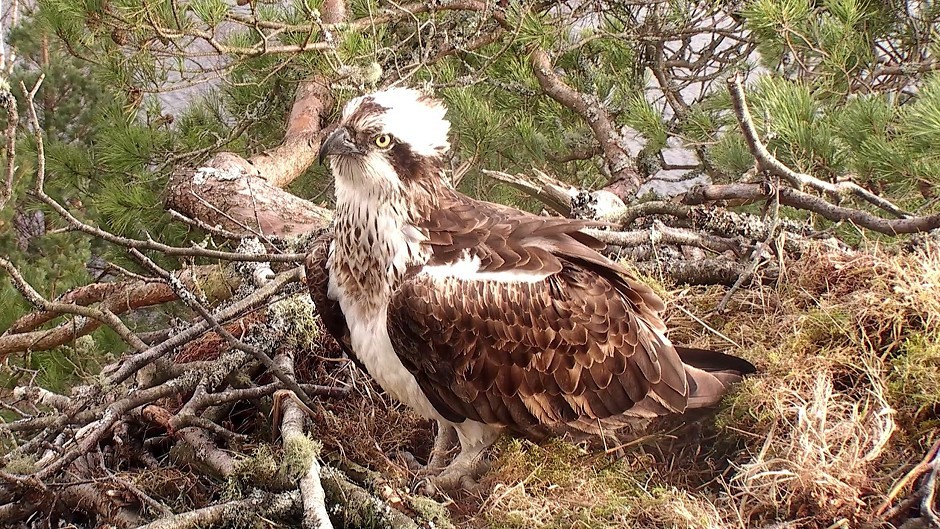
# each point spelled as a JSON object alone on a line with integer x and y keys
{"x": 480, "y": 316}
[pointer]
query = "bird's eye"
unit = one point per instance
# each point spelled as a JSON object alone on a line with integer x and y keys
{"x": 382, "y": 141}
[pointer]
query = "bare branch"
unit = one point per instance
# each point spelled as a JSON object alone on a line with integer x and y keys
{"x": 800, "y": 200}
{"x": 263, "y": 504}
{"x": 553, "y": 193}
{"x": 662, "y": 234}
{"x": 104, "y": 316}
{"x": 768, "y": 162}
{"x": 292, "y": 430}
{"x": 214, "y": 281}
{"x": 594, "y": 114}
{"x": 13, "y": 119}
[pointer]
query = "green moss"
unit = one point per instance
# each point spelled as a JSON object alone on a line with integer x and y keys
{"x": 258, "y": 469}
{"x": 434, "y": 514}
{"x": 22, "y": 465}
{"x": 298, "y": 452}
{"x": 295, "y": 320}
{"x": 915, "y": 374}
{"x": 559, "y": 485}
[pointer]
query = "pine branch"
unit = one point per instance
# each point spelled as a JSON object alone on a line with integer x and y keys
{"x": 149, "y": 244}
{"x": 768, "y": 162}
{"x": 595, "y": 116}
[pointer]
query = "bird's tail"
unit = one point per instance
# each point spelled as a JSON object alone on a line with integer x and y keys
{"x": 710, "y": 374}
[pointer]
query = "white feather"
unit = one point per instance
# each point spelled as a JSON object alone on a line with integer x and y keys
{"x": 468, "y": 269}
{"x": 409, "y": 116}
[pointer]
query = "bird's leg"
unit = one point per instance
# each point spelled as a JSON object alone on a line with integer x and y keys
{"x": 444, "y": 441}
{"x": 462, "y": 472}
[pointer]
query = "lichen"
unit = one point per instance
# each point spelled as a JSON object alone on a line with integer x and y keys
{"x": 298, "y": 452}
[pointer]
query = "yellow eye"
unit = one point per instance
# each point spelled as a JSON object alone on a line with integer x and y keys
{"x": 383, "y": 140}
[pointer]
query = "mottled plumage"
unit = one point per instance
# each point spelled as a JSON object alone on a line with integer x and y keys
{"x": 481, "y": 316}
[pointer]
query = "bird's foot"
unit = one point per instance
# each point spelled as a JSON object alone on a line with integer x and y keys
{"x": 444, "y": 442}
{"x": 461, "y": 474}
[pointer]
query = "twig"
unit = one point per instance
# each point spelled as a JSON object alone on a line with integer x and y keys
{"x": 766, "y": 161}
{"x": 215, "y": 230}
{"x": 758, "y": 250}
{"x": 914, "y": 473}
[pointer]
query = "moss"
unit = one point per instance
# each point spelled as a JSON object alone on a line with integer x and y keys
{"x": 431, "y": 512}
{"x": 915, "y": 374}
{"x": 259, "y": 469}
{"x": 21, "y": 465}
{"x": 298, "y": 452}
{"x": 294, "y": 321}
{"x": 559, "y": 485}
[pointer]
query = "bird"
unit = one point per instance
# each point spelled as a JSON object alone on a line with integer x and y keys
{"x": 482, "y": 317}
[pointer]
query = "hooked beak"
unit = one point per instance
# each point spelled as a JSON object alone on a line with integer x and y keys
{"x": 339, "y": 142}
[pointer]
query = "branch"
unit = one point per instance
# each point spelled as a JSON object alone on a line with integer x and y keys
{"x": 117, "y": 298}
{"x": 594, "y": 114}
{"x": 292, "y": 428}
{"x": 553, "y": 193}
{"x": 244, "y": 196}
{"x": 192, "y": 302}
{"x": 698, "y": 272}
{"x": 132, "y": 364}
{"x": 662, "y": 234}
{"x": 13, "y": 119}
{"x": 264, "y": 504}
{"x": 800, "y": 200}
{"x": 104, "y": 316}
{"x": 149, "y": 244}
{"x": 768, "y": 162}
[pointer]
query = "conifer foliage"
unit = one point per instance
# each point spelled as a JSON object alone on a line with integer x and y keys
{"x": 158, "y": 193}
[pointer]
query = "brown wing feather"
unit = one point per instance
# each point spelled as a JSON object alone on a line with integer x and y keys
{"x": 549, "y": 354}
{"x": 318, "y": 279}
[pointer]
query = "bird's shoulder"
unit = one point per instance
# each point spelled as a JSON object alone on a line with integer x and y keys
{"x": 506, "y": 239}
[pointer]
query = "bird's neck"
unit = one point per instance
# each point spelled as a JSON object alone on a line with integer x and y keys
{"x": 377, "y": 240}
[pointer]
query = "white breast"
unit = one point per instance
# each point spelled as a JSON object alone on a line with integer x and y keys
{"x": 371, "y": 343}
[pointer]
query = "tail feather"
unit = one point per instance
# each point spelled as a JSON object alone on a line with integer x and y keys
{"x": 710, "y": 374}
{"x": 714, "y": 361}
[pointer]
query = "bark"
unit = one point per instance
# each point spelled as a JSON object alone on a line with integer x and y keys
{"x": 244, "y": 196}
{"x": 805, "y": 201}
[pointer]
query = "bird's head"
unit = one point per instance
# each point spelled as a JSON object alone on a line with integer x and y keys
{"x": 388, "y": 138}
